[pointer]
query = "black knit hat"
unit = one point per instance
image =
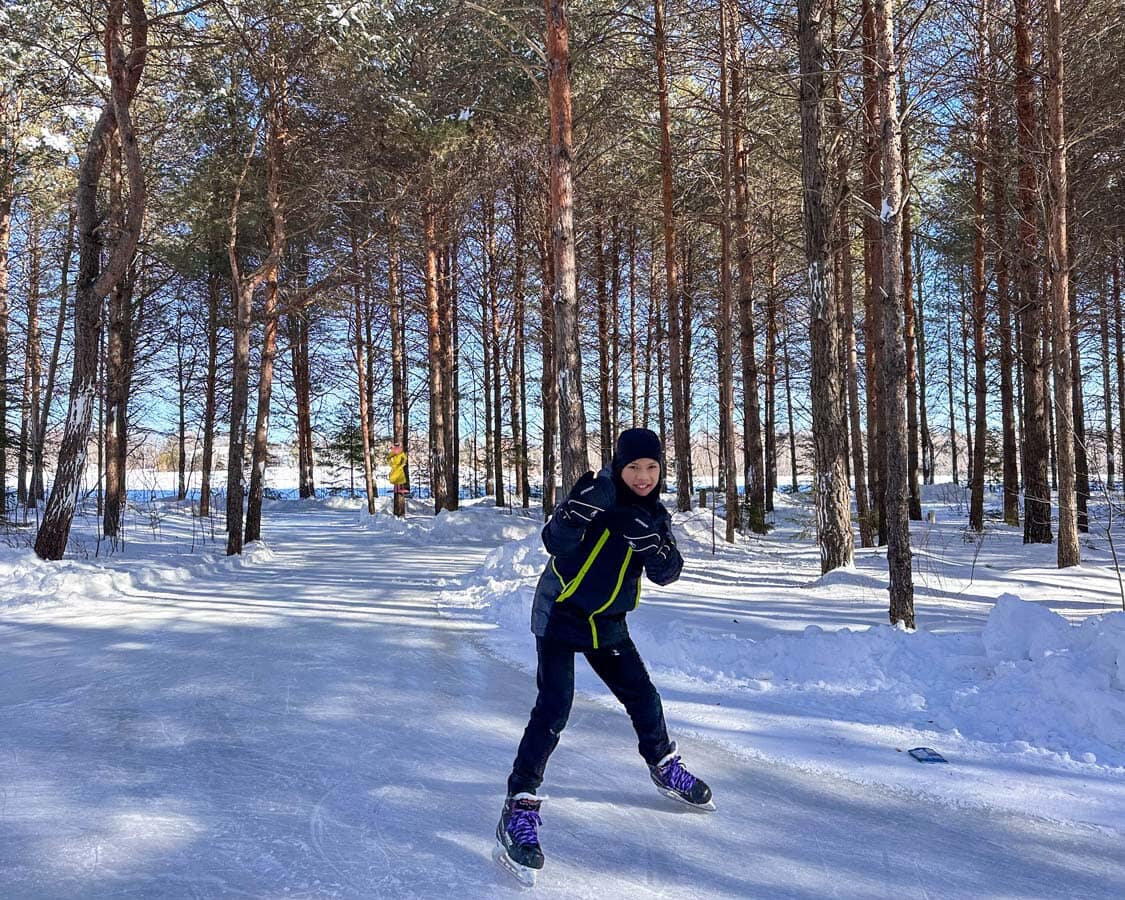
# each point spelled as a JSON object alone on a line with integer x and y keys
{"x": 636, "y": 443}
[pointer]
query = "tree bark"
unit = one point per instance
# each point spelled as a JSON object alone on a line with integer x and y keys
{"x": 259, "y": 454}
{"x": 1001, "y": 263}
{"x": 681, "y": 437}
{"x": 398, "y": 354}
{"x": 872, "y": 271}
{"x": 980, "y": 150}
{"x": 754, "y": 473}
{"x": 833, "y": 515}
{"x": 908, "y": 327}
{"x": 438, "y": 404}
{"x": 210, "y": 386}
{"x": 95, "y": 280}
{"x": 727, "y": 50}
{"x": 572, "y": 410}
{"x": 1036, "y": 437}
{"x": 549, "y": 395}
{"x": 1107, "y": 390}
{"x": 1059, "y": 260}
{"x": 892, "y": 381}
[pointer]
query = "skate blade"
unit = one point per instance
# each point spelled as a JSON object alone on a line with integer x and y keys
{"x": 522, "y": 874}
{"x": 709, "y": 806}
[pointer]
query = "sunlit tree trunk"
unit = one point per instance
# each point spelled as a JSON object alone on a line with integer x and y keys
{"x": 96, "y": 280}
{"x": 549, "y": 395}
{"x": 908, "y": 327}
{"x": 892, "y": 381}
{"x": 681, "y": 438}
{"x": 833, "y": 516}
{"x": 438, "y": 403}
{"x": 399, "y": 436}
{"x": 980, "y": 150}
{"x": 1059, "y": 260}
{"x": 1107, "y": 389}
{"x": 872, "y": 271}
{"x": 1036, "y": 437}
{"x": 1001, "y": 265}
{"x": 572, "y": 410}
{"x": 727, "y": 50}
{"x": 259, "y": 454}
{"x": 754, "y": 473}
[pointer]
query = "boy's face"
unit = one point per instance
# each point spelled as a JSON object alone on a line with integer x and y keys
{"x": 641, "y": 476}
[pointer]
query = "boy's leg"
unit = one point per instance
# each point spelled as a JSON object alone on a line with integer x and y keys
{"x": 555, "y": 680}
{"x": 624, "y": 673}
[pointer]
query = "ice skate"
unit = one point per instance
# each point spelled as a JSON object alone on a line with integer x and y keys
{"x": 677, "y": 783}
{"x": 517, "y": 838}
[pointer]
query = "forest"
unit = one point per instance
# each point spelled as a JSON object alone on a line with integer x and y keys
{"x": 846, "y": 246}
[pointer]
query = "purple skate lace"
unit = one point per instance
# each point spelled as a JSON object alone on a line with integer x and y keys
{"x": 523, "y": 822}
{"x": 675, "y": 776}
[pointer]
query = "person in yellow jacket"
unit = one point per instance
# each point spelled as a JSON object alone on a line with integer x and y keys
{"x": 397, "y": 477}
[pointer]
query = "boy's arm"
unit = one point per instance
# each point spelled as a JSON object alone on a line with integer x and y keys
{"x": 591, "y": 495}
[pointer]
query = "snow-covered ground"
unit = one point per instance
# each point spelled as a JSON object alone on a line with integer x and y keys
{"x": 334, "y": 715}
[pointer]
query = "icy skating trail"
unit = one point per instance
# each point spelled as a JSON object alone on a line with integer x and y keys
{"x": 308, "y": 726}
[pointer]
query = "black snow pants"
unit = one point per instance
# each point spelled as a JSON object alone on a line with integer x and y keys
{"x": 623, "y": 672}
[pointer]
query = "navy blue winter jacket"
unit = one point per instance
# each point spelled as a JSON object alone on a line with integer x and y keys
{"x": 593, "y": 577}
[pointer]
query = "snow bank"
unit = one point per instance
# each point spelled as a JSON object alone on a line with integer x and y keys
{"x": 25, "y": 579}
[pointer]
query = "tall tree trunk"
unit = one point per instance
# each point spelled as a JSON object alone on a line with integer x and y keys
{"x": 792, "y": 431}
{"x": 210, "y": 386}
{"x": 259, "y": 454}
{"x": 38, "y": 478}
{"x": 927, "y": 440}
{"x": 451, "y": 365}
{"x": 183, "y": 383}
{"x": 6, "y": 199}
{"x": 754, "y": 473}
{"x": 494, "y": 328}
{"x": 95, "y": 280}
{"x": 681, "y": 437}
{"x": 605, "y": 417}
{"x": 980, "y": 150}
{"x": 1008, "y": 403}
{"x": 908, "y": 326}
{"x": 949, "y": 382}
{"x": 1059, "y": 257}
{"x": 1107, "y": 390}
{"x": 833, "y": 515}
{"x": 549, "y": 395}
{"x": 727, "y": 50}
{"x": 33, "y": 368}
{"x": 966, "y": 391}
{"x": 243, "y": 294}
{"x": 615, "y": 326}
{"x": 118, "y": 364}
{"x": 488, "y": 349}
{"x": 1119, "y": 344}
{"x": 572, "y": 410}
{"x": 770, "y": 363}
{"x": 872, "y": 270}
{"x": 1036, "y": 437}
{"x": 846, "y": 288}
{"x": 399, "y": 436}
{"x": 518, "y": 382}
{"x": 892, "y": 381}
{"x": 1081, "y": 458}
{"x": 438, "y": 404}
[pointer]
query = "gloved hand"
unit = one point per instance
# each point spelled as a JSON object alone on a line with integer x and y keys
{"x": 589, "y": 497}
{"x": 637, "y": 526}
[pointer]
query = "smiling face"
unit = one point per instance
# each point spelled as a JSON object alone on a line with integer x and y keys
{"x": 641, "y": 476}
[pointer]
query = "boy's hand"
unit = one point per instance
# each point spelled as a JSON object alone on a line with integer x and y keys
{"x": 637, "y": 527}
{"x": 589, "y": 497}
